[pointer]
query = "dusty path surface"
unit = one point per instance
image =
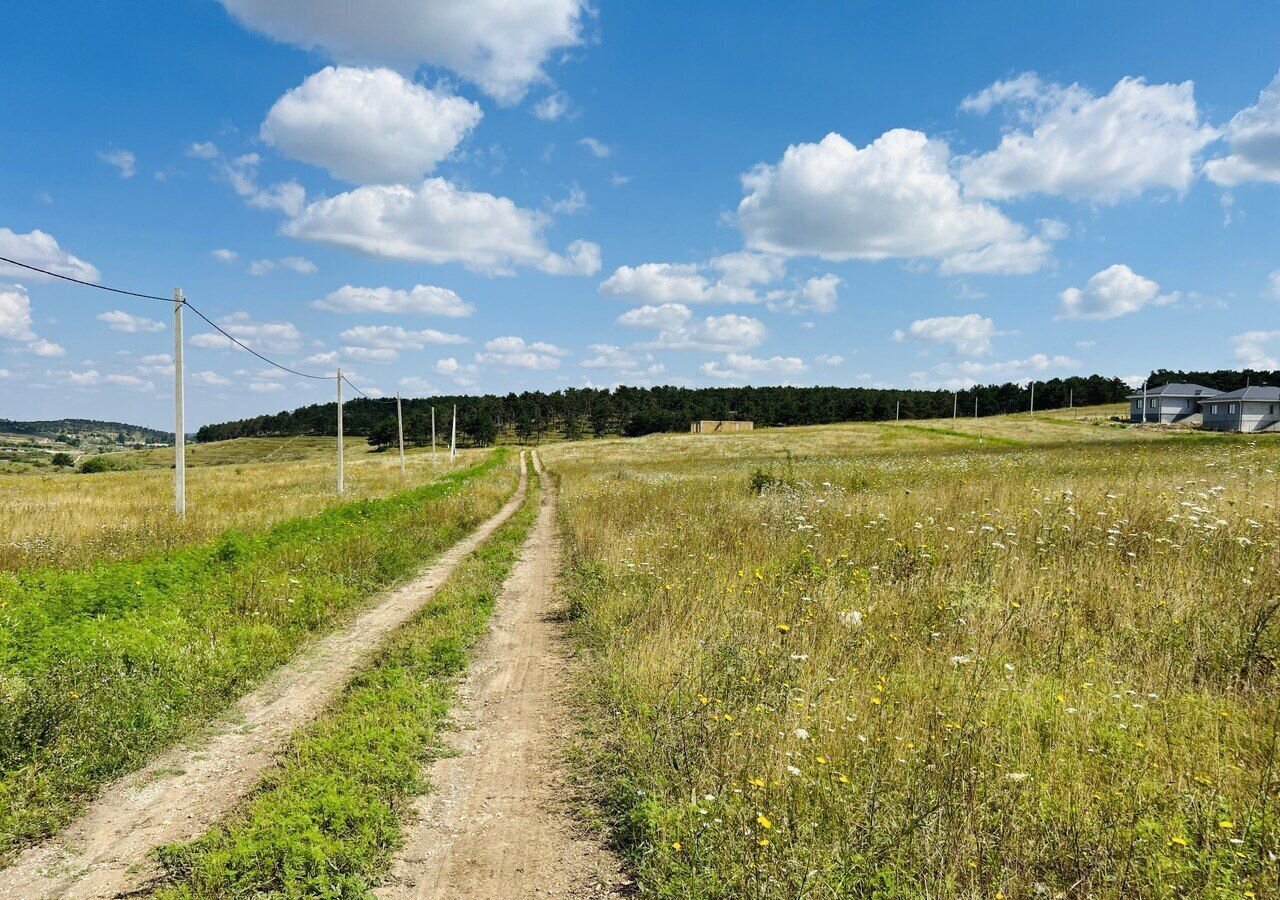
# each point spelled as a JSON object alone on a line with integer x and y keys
{"x": 185, "y": 790}
{"x": 496, "y": 826}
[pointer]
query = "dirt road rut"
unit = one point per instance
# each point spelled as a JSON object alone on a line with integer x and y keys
{"x": 496, "y": 825}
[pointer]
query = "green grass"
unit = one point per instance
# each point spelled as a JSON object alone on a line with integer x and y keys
{"x": 966, "y": 435}
{"x": 325, "y": 822}
{"x": 101, "y": 667}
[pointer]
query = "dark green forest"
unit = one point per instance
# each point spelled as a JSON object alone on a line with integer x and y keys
{"x": 584, "y": 412}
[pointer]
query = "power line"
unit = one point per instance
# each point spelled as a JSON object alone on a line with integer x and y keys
{"x": 101, "y": 287}
{"x": 243, "y": 346}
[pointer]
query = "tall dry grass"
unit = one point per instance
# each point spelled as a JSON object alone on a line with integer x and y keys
{"x": 71, "y": 519}
{"x": 879, "y": 661}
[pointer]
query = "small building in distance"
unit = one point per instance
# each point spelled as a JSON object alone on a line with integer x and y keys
{"x": 1248, "y": 409}
{"x": 1168, "y": 402}
{"x": 709, "y": 426}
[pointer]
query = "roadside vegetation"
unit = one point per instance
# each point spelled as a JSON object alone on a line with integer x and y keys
{"x": 70, "y": 519}
{"x": 878, "y": 661}
{"x": 102, "y": 665}
{"x": 326, "y": 821}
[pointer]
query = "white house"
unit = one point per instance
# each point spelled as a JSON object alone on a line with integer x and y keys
{"x": 1168, "y": 402}
{"x": 1248, "y": 409}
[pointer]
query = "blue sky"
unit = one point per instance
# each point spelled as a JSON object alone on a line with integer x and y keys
{"x": 495, "y": 196}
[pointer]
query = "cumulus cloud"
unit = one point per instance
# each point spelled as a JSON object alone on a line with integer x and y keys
{"x": 513, "y": 353}
{"x": 265, "y": 337}
{"x": 393, "y": 337}
{"x": 293, "y": 263}
{"x": 94, "y": 378}
{"x": 1137, "y": 138}
{"x": 686, "y": 282}
{"x": 1115, "y": 291}
{"x": 224, "y": 256}
{"x": 124, "y": 161}
{"x": 500, "y": 45}
{"x": 435, "y": 222}
{"x": 1273, "y": 284}
{"x": 744, "y": 367}
{"x": 598, "y": 149}
{"x": 1257, "y": 349}
{"x": 421, "y": 300}
{"x": 552, "y": 107}
{"x": 119, "y": 320}
{"x": 829, "y": 359}
{"x": 208, "y": 378}
{"x": 624, "y": 362}
{"x": 969, "y": 335}
{"x": 15, "y": 314}
{"x": 241, "y": 173}
{"x": 894, "y": 198}
{"x": 1253, "y": 135}
{"x": 368, "y": 125}
{"x": 40, "y": 249}
{"x": 815, "y": 295}
{"x": 963, "y": 374}
{"x": 677, "y": 329}
{"x": 42, "y": 347}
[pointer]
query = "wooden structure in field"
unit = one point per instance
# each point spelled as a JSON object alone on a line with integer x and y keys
{"x": 711, "y": 426}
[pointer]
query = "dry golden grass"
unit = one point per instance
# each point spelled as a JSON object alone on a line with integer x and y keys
{"x": 69, "y": 519}
{"x": 894, "y": 661}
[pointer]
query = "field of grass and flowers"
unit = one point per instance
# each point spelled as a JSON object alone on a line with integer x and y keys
{"x": 326, "y": 821}
{"x": 899, "y": 662}
{"x": 103, "y": 664}
{"x": 67, "y": 518}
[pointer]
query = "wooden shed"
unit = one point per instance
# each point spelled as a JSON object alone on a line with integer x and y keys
{"x": 711, "y": 426}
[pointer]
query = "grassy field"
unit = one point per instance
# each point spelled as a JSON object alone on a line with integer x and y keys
{"x": 102, "y": 664}
{"x": 71, "y": 519}
{"x": 1012, "y": 658}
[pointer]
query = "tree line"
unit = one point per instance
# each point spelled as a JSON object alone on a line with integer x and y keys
{"x": 631, "y": 411}
{"x": 1221, "y": 380}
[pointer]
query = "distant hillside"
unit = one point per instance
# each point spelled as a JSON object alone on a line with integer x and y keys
{"x": 86, "y": 430}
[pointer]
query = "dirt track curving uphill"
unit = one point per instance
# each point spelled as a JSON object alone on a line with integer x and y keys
{"x": 180, "y": 794}
{"x": 496, "y": 825}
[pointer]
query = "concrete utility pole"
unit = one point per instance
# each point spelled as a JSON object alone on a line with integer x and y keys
{"x": 453, "y": 436}
{"x": 341, "y": 486}
{"x": 1143, "y": 420}
{"x": 897, "y": 411}
{"x": 955, "y": 404}
{"x": 1033, "y": 398}
{"x": 179, "y": 412}
{"x": 1071, "y": 398}
{"x": 975, "y": 406}
{"x": 433, "y": 434}
{"x": 400, "y": 428}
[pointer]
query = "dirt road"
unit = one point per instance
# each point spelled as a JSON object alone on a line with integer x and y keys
{"x": 495, "y": 826}
{"x": 176, "y": 797}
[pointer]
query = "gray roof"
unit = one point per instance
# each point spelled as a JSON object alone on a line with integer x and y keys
{"x": 1256, "y": 392}
{"x": 1176, "y": 390}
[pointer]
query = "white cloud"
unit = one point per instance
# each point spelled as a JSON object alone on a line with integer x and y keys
{"x": 1020, "y": 257}
{"x": 815, "y": 295}
{"x": 969, "y": 335}
{"x": 1253, "y": 134}
{"x": 123, "y": 160}
{"x": 380, "y": 355}
{"x": 1115, "y": 291}
{"x": 266, "y": 387}
{"x": 417, "y": 384}
{"x": 609, "y": 356}
{"x": 211, "y": 379}
{"x": 436, "y": 222}
{"x": 1257, "y": 349}
{"x": 500, "y": 45}
{"x": 674, "y": 283}
{"x": 829, "y": 359}
{"x": 203, "y": 150}
{"x": 119, "y": 320}
{"x": 598, "y": 149}
{"x": 41, "y": 250}
{"x": 421, "y": 300}
{"x": 514, "y": 353}
{"x": 552, "y": 107}
{"x": 241, "y": 173}
{"x": 1137, "y": 138}
{"x": 94, "y": 378}
{"x": 894, "y": 198}
{"x": 393, "y": 337}
{"x": 743, "y": 367}
{"x": 1273, "y": 285}
{"x": 15, "y": 314}
{"x": 368, "y": 125}
{"x": 293, "y": 263}
{"x": 224, "y": 256}
{"x": 265, "y": 337}
{"x": 576, "y": 202}
{"x": 967, "y": 373}
{"x": 747, "y": 269}
{"x": 42, "y": 347}
{"x": 678, "y": 330}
